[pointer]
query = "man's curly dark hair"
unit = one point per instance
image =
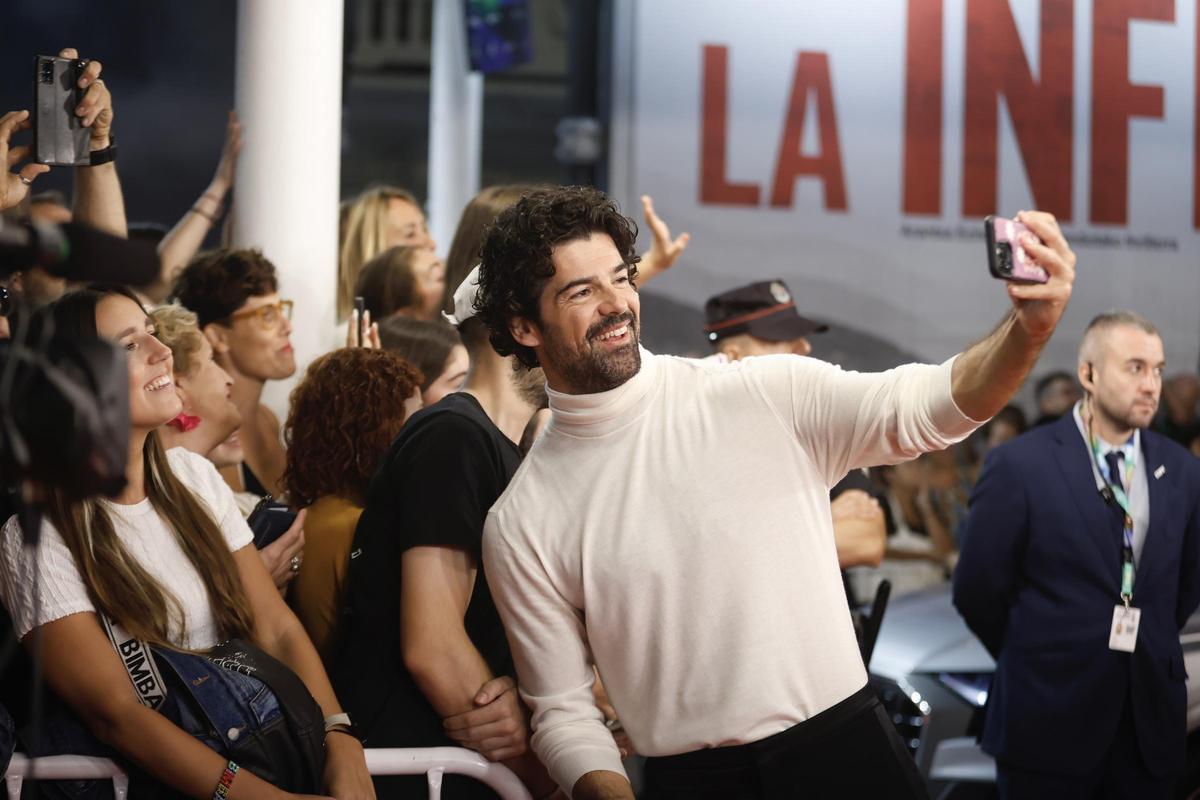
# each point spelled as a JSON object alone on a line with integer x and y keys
{"x": 217, "y": 283}
{"x": 516, "y": 255}
{"x": 343, "y": 418}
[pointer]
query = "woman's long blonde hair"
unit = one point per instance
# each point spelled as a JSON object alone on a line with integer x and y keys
{"x": 363, "y": 234}
{"x": 117, "y": 584}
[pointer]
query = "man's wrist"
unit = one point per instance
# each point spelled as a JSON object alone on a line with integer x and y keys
{"x": 102, "y": 143}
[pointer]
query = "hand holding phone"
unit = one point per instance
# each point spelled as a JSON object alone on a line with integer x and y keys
{"x": 1007, "y": 258}
{"x": 60, "y": 139}
{"x": 269, "y": 520}
{"x": 360, "y": 312}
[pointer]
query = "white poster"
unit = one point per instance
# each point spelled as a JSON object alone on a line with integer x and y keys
{"x": 853, "y": 149}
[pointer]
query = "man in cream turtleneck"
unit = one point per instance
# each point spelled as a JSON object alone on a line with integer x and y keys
{"x": 663, "y": 527}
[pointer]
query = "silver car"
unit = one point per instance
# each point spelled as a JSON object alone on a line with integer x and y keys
{"x": 932, "y": 675}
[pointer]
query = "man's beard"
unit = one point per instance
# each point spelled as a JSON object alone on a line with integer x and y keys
{"x": 1130, "y": 418}
{"x": 595, "y": 370}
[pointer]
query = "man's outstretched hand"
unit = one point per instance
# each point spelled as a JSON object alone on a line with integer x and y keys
{"x": 664, "y": 250}
{"x": 1039, "y": 306}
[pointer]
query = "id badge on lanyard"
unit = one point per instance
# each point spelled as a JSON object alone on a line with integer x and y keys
{"x": 1126, "y": 618}
{"x": 1123, "y": 636}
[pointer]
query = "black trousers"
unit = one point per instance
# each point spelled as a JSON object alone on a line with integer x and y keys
{"x": 846, "y": 752}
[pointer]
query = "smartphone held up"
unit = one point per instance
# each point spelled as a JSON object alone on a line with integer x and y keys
{"x": 360, "y": 312}
{"x": 1007, "y": 258}
{"x": 60, "y": 139}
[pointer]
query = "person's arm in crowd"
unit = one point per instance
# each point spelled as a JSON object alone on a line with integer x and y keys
{"x": 435, "y": 589}
{"x": 98, "y": 200}
{"x": 1189, "y": 568}
{"x": 82, "y": 668}
{"x": 988, "y": 374}
{"x": 15, "y": 186}
{"x": 549, "y": 646}
{"x": 985, "y": 578}
{"x": 941, "y": 538}
{"x": 664, "y": 251}
{"x": 184, "y": 240}
{"x": 362, "y": 332}
{"x": 280, "y": 634}
{"x": 859, "y": 532}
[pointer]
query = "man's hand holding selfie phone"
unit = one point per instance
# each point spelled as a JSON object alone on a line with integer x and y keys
{"x": 1038, "y": 306}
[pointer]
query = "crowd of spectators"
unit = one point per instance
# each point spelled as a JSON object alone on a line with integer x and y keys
{"x": 378, "y": 582}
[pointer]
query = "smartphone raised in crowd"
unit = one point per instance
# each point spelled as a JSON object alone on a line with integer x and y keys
{"x": 360, "y": 308}
{"x": 60, "y": 139}
{"x": 1007, "y": 259}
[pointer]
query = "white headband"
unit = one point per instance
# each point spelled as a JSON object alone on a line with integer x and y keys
{"x": 464, "y": 299}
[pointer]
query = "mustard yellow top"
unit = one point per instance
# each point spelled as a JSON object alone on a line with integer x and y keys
{"x": 316, "y": 593}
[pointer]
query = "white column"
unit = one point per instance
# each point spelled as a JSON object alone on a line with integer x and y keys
{"x": 455, "y": 122}
{"x": 289, "y": 101}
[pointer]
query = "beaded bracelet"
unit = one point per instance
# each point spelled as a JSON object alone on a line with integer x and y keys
{"x": 222, "y": 790}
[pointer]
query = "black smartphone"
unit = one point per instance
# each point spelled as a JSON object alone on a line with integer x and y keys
{"x": 360, "y": 308}
{"x": 269, "y": 520}
{"x": 59, "y": 137}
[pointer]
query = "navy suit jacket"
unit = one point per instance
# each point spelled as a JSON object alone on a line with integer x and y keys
{"x": 1037, "y": 580}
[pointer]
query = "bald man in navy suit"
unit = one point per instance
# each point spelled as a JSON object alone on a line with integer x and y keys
{"x": 1080, "y": 564}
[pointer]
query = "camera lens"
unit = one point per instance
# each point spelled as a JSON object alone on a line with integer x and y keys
{"x": 1003, "y": 258}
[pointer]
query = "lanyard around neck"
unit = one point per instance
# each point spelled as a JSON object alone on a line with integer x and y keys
{"x": 1120, "y": 495}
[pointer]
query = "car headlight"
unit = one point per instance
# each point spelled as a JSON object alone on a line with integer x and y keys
{"x": 971, "y": 687}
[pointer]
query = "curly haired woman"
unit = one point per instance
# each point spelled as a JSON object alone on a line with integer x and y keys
{"x": 344, "y": 415}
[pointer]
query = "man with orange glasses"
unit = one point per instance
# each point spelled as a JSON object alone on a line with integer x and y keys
{"x": 235, "y": 296}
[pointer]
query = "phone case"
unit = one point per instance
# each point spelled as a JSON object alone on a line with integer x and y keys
{"x": 269, "y": 520}
{"x": 60, "y": 139}
{"x": 1007, "y": 259}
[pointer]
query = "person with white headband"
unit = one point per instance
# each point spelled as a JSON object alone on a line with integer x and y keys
{"x": 430, "y": 646}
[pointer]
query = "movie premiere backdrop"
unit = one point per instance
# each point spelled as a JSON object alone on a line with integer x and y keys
{"x": 853, "y": 149}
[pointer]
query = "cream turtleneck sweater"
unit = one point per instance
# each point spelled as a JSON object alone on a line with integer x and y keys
{"x": 677, "y": 530}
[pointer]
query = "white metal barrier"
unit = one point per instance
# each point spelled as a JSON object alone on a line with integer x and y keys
{"x": 60, "y": 768}
{"x": 433, "y": 762}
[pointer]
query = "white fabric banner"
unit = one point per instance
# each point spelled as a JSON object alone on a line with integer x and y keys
{"x": 852, "y": 149}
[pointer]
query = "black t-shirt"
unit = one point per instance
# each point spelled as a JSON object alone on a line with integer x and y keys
{"x": 447, "y": 467}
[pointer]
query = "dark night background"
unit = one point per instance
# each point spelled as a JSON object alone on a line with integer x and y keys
{"x": 170, "y": 67}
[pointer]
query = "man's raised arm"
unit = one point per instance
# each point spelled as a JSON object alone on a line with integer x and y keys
{"x": 989, "y": 373}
